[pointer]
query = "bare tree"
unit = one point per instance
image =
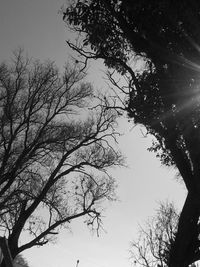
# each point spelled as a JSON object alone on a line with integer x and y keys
{"x": 152, "y": 247}
{"x": 54, "y": 151}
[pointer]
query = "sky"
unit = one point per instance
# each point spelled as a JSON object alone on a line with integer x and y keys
{"x": 37, "y": 26}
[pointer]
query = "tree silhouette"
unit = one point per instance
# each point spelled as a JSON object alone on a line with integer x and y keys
{"x": 55, "y": 152}
{"x": 162, "y": 89}
{"x": 155, "y": 238}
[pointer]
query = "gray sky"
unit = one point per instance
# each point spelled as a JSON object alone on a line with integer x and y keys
{"x": 37, "y": 26}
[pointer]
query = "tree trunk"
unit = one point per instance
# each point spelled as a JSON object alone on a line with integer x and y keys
{"x": 7, "y": 257}
{"x": 185, "y": 248}
{"x": 3, "y": 264}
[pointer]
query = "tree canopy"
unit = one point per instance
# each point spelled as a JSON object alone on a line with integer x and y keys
{"x": 56, "y": 149}
{"x": 163, "y": 96}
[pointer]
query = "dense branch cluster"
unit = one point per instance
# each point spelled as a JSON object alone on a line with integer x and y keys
{"x": 155, "y": 238}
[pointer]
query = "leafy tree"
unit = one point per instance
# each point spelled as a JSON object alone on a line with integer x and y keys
{"x": 162, "y": 89}
{"x": 55, "y": 150}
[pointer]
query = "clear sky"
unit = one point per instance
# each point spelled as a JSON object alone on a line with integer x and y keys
{"x": 37, "y": 26}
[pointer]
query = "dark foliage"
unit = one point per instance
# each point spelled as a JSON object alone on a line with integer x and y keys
{"x": 165, "y": 95}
